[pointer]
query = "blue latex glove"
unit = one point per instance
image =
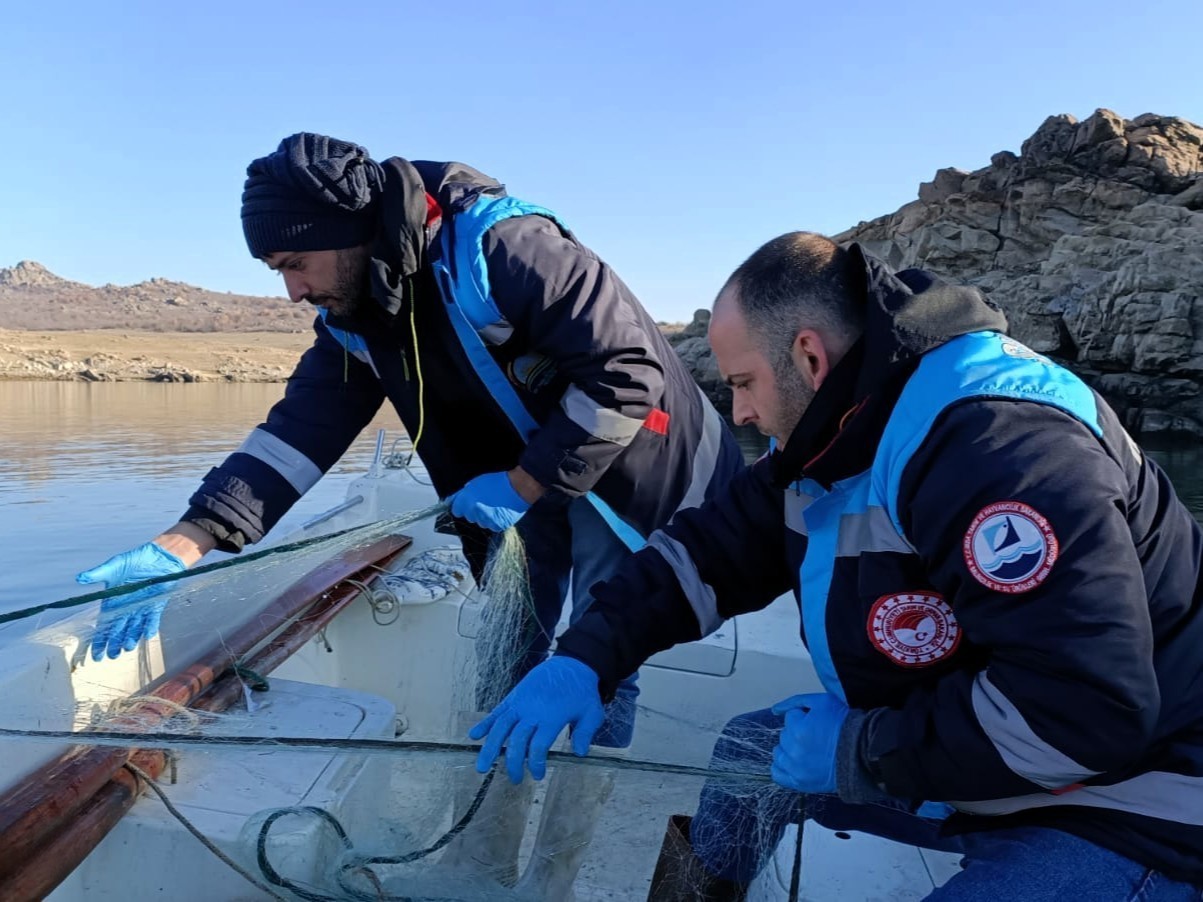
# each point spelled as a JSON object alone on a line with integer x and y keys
{"x": 561, "y": 692}
{"x": 490, "y": 501}
{"x": 804, "y": 759}
{"x": 125, "y": 620}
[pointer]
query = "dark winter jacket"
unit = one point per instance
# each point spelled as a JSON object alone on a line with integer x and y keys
{"x": 1004, "y": 589}
{"x": 618, "y": 413}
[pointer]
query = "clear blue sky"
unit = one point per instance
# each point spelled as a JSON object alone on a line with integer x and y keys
{"x": 673, "y": 137}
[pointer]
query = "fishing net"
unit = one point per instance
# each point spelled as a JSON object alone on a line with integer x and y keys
{"x": 302, "y": 720}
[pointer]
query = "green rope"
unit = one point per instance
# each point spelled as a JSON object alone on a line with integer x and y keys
{"x": 74, "y": 601}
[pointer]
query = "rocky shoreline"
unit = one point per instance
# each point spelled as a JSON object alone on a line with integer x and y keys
{"x": 105, "y": 355}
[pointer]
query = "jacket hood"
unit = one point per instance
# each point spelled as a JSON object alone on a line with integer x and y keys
{"x": 401, "y": 250}
{"x": 455, "y": 185}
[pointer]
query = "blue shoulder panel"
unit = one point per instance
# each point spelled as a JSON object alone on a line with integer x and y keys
{"x": 976, "y": 365}
{"x": 472, "y": 309}
{"x": 471, "y": 281}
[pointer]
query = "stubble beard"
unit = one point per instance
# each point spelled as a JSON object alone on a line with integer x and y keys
{"x": 794, "y": 397}
{"x": 352, "y": 288}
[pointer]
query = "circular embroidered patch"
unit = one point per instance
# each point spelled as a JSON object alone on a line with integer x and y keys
{"x": 1012, "y": 348}
{"x": 1010, "y": 547}
{"x": 913, "y": 628}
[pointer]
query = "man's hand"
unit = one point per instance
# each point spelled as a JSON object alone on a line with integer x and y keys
{"x": 561, "y": 692}
{"x": 804, "y": 759}
{"x": 126, "y": 620}
{"x": 494, "y": 500}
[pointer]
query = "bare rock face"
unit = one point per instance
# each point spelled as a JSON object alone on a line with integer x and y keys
{"x": 1091, "y": 240}
{"x": 30, "y": 274}
{"x": 693, "y": 347}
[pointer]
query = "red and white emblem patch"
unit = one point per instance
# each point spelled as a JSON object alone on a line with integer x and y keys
{"x": 1010, "y": 547}
{"x": 913, "y": 629}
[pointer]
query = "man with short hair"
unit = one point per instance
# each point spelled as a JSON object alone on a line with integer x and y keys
{"x": 1000, "y": 593}
{"x": 536, "y": 389}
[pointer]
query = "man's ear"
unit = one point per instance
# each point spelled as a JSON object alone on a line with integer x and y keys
{"x": 811, "y": 356}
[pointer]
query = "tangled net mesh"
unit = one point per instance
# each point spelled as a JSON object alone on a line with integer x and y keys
{"x": 351, "y": 776}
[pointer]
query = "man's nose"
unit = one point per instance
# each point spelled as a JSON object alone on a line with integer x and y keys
{"x": 741, "y": 410}
{"x": 296, "y": 287}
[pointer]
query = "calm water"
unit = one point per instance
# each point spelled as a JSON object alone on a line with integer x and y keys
{"x": 87, "y": 470}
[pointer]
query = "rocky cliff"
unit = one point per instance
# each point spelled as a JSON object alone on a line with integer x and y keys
{"x": 1091, "y": 240}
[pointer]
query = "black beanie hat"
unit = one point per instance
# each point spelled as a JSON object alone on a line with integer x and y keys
{"x": 314, "y": 193}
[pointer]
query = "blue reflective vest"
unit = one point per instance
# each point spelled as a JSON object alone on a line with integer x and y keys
{"x": 463, "y": 277}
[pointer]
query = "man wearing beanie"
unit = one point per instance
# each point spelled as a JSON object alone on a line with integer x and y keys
{"x": 537, "y": 390}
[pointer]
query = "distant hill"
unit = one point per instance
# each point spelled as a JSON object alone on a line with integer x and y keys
{"x": 34, "y": 299}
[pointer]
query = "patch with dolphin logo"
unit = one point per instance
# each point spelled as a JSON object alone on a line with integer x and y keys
{"x": 1010, "y": 547}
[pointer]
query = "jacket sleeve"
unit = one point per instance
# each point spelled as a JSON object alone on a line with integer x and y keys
{"x": 1065, "y": 689}
{"x": 574, "y": 309}
{"x": 711, "y": 563}
{"x": 330, "y": 397}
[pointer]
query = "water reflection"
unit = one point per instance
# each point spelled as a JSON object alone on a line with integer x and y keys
{"x": 87, "y": 470}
